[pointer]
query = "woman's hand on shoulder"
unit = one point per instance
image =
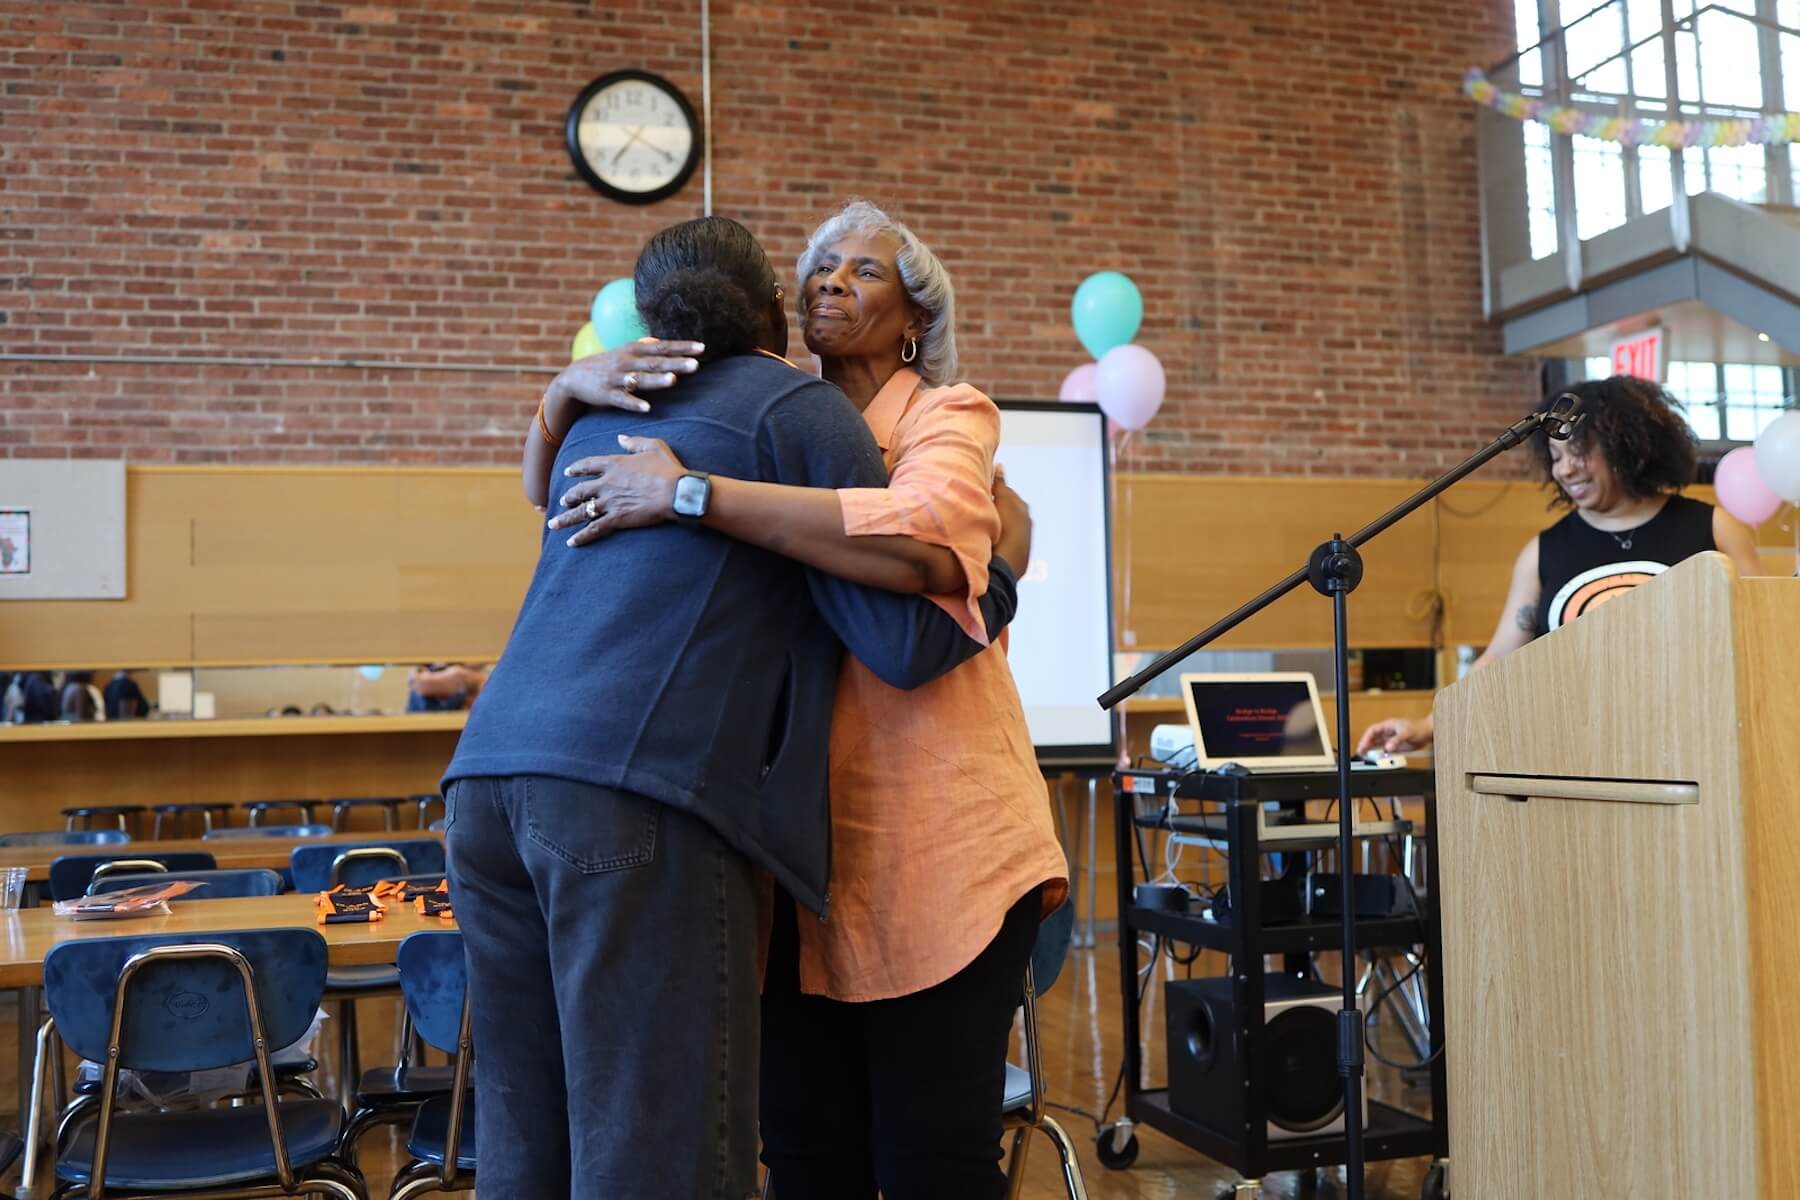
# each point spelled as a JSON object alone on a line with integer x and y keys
{"x": 614, "y": 378}
{"x": 620, "y": 491}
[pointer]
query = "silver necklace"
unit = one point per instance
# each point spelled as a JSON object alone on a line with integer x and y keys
{"x": 1624, "y": 539}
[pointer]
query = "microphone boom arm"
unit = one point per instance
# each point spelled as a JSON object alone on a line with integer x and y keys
{"x": 1563, "y": 417}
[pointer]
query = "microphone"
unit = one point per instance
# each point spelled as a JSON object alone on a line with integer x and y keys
{"x": 1563, "y": 415}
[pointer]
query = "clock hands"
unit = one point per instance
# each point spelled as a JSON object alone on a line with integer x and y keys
{"x": 637, "y": 135}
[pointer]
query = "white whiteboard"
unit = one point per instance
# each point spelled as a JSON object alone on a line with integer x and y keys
{"x": 1061, "y": 647}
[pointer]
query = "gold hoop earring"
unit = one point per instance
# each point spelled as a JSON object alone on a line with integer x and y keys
{"x": 912, "y": 350}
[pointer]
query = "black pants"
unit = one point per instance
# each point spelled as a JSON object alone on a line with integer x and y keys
{"x": 612, "y": 973}
{"x": 899, "y": 1094}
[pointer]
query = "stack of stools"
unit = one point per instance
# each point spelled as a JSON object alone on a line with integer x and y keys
{"x": 256, "y": 809}
{"x": 123, "y": 815}
{"x": 211, "y": 816}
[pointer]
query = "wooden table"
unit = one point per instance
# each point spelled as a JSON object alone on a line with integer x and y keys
{"x": 27, "y": 935}
{"x": 230, "y": 853}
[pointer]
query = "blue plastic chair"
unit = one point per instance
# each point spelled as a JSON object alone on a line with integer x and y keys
{"x": 190, "y": 1003}
{"x": 67, "y": 837}
{"x": 290, "y": 1077}
{"x": 216, "y": 885}
{"x": 434, "y": 978}
{"x": 317, "y": 868}
{"x": 71, "y": 874}
{"x": 269, "y": 831}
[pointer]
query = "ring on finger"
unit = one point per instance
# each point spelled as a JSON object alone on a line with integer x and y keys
{"x": 592, "y": 510}
{"x": 631, "y": 381}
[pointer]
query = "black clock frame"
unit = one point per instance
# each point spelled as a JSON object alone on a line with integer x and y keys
{"x": 572, "y": 138}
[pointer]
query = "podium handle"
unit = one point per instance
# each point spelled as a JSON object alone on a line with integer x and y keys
{"x": 1566, "y": 787}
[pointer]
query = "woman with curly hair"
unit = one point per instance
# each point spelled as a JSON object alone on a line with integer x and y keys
{"x": 1621, "y": 476}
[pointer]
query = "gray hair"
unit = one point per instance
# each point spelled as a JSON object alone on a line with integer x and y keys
{"x": 926, "y": 281}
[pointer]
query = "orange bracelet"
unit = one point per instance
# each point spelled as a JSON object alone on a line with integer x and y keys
{"x": 544, "y": 427}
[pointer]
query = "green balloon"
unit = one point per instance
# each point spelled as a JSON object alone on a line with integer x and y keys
{"x": 587, "y": 343}
{"x": 616, "y": 316}
{"x": 1107, "y": 311}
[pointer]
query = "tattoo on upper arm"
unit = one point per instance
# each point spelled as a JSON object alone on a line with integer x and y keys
{"x": 1526, "y": 618}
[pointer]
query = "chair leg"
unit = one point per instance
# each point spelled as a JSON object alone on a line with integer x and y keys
{"x": 59, "y": 1083}
{"x": 348, "y": 1056}
{"x": 80, "y": 1107}
{"x": 1071, "y": 1166}
{"x": 336, "y": 1179}
{"x": 367, "y": 1119}
{"x": 390, "y": 817}
{"x": 338, "y": 813}
{"x": 419, "y": 1179}
{"x": 1015, "y": 1162}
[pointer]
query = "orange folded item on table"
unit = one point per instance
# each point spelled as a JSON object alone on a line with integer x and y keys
{"x": 349, "y": 905}
{"x": 407, "y": 891}
{"x": 435, "y": 903}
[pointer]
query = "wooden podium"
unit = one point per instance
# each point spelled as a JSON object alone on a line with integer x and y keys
{"x": 1619, "y": 877}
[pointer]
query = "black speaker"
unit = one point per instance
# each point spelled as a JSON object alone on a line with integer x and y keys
{"x": 1303, "y": 1095}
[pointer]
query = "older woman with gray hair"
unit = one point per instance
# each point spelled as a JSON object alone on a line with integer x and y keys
{"x": 885, "y": 1025}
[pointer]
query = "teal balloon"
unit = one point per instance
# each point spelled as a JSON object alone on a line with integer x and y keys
{"x": 1107, "y": 311}
{"x": 615, "y": 315}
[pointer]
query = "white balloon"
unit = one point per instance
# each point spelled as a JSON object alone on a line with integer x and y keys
{"x": 1778, "y": 457}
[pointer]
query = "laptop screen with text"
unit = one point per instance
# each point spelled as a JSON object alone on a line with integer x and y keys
{"x": 1256, "y": 719}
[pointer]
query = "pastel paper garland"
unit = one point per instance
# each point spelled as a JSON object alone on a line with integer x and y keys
{"x": 1771, "y": 129}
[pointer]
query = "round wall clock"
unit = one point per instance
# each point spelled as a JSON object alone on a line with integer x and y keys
{"x": 633, "y": 137}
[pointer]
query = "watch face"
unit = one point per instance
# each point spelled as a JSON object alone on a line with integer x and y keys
{"x": 633, "y": 136}
{"x": 691, "y": 494}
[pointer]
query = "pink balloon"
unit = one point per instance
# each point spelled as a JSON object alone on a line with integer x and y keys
{"x": 1741, "y": 489}
{"x": 1128, "y": 384}
{"x": 1078, "y": 385}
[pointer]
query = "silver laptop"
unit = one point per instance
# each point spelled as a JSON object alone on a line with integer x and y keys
{"x": 1265, "y": 721}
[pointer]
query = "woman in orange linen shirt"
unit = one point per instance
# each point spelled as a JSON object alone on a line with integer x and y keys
{"x": 885, "y": 1025}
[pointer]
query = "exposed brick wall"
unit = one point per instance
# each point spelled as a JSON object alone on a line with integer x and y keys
{"x": 1290, "y": 182}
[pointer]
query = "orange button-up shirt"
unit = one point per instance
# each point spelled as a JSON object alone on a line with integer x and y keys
{"x": 940, "y": 817}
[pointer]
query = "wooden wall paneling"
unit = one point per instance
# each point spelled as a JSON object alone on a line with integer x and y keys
{"x": 261, "y": 565}
{"x": 1189, "y": 549}
{"x": 43, "y": 777}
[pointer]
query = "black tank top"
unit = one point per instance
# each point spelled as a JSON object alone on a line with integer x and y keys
{"x": 1580, "y": 567}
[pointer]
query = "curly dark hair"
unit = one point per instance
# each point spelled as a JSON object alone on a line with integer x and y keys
{"x": 706, "y": 280}
{"x": 1638, "y": 428}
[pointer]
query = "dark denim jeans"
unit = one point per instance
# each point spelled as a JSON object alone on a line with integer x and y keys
{"x": 613, "y": 979}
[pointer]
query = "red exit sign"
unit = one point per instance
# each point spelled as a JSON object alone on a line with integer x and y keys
{"x": 1640, "y": 357}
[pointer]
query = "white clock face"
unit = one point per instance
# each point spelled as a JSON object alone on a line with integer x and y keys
{"x": 635, "y": 136}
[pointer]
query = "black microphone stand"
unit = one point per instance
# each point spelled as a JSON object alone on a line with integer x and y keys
{"x": 1335, "y": 569}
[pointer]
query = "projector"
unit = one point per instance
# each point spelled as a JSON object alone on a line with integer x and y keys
{"x": 1172, "y": 744}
